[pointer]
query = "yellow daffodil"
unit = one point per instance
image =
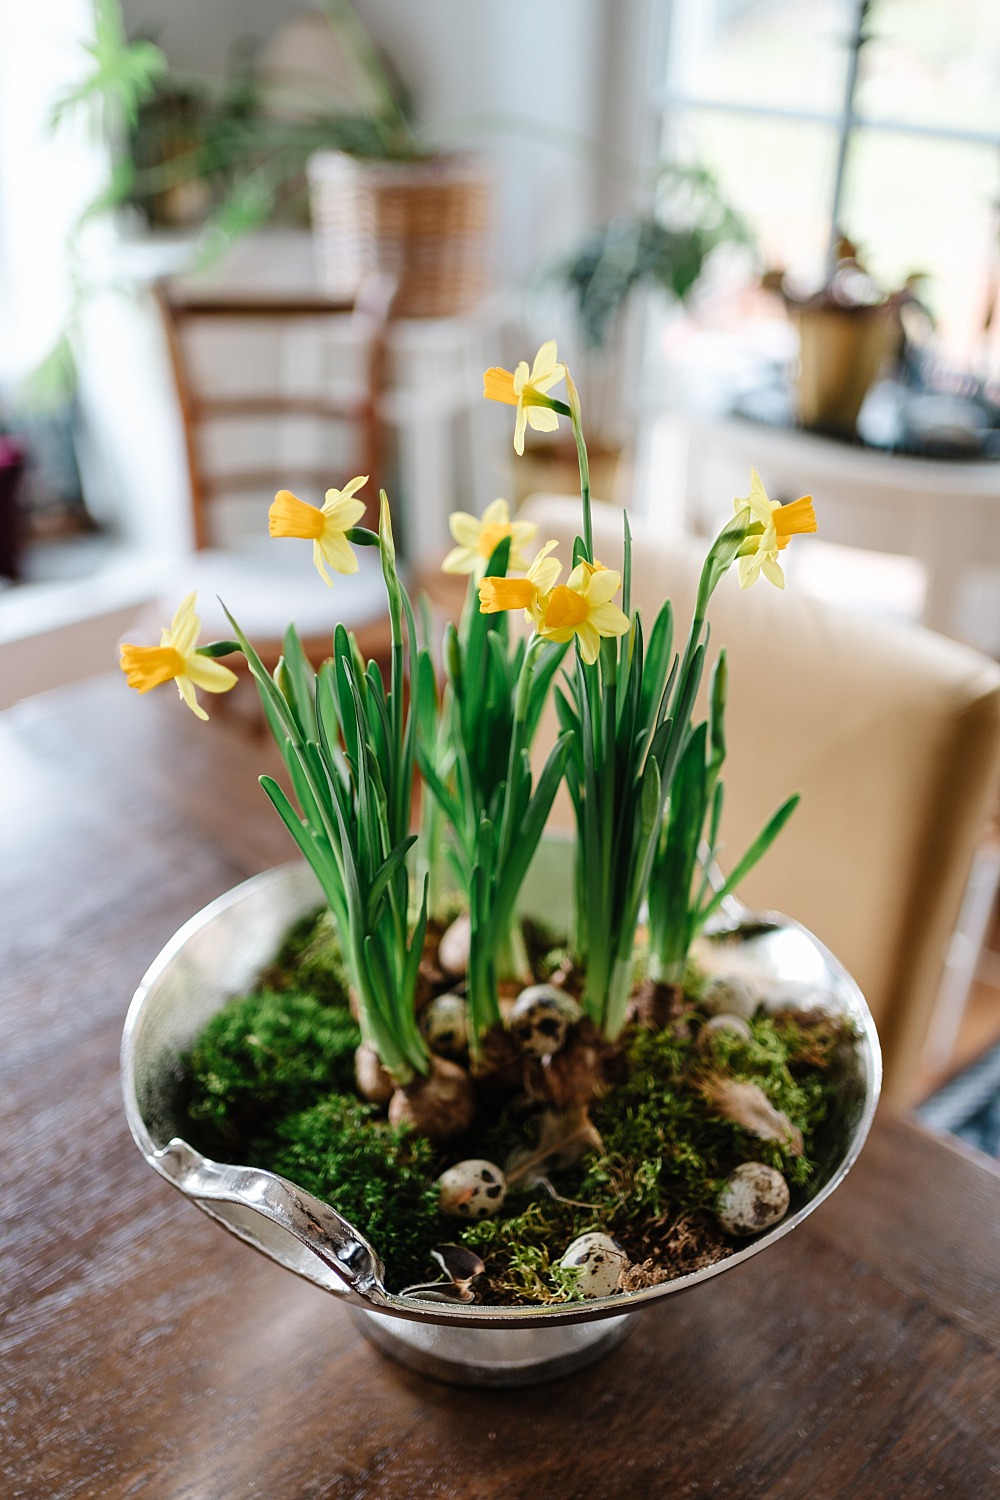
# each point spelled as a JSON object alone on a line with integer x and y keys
{"x": 324, "y": 526}
{"x": 527, "y": 391}
{"x": 582, "y": 607}
{"x": 530, "y": 593}
{"x": 772, "y": 526}
{"x": 175, "y": 657}
{"x": 478, "y": 537}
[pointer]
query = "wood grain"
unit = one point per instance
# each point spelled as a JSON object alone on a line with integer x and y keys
{"x": 146, "y": 1353}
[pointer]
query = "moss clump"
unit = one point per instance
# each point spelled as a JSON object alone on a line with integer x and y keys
{"x": 263, "y": 1056}
{"x": 666, "y": 1151}
{"x": 311, "y": 959}
{"x": 522, "y": 1251}
{"x": 376, "y": 1175}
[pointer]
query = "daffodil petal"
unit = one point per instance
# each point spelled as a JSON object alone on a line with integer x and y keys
{"x": 542, "y": 418}
{"x": 772, "y": 572}
{"x": 497, "y": 513}
{"x": 545, "y": 361}
{"x": 185, "y": 626}
{"x": 608, "y": 619}
{"x": 337, "y": 551}
{"x": 459, "y": 560}
{"x": 464, "y": 528}
{"x": 209, "y": 674}
{"x": 352, "y": 486}
{"x": 186, "y": 690}
{"x": 602, "y": 587}
{"x": 590, "y": 641}
{"x": 321, "y": 565}
{"x": 342, "y": 513}
{"x": 519, "y": 426}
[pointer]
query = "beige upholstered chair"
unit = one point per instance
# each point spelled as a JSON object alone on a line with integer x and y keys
{"x": 891, "y": 734}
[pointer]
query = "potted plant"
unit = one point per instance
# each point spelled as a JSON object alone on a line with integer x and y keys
{"x": 466, "y": 1117}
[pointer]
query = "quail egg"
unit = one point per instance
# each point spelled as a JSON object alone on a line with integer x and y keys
{"x": 453, "y": 949}
{"x": 723, "y": 1022}
{"x": 472, "y": 1189}
{"x": 730, "y": 995}
{"x": 753, "y": 1197}
{"x": 540, "y": 1018}
{"x": 598, "y": 1262}
{"x": 443, "y": 1023}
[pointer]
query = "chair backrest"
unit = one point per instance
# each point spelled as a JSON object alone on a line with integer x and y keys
{"x": 890, "y": 733}
{"x": 243, "y": 358}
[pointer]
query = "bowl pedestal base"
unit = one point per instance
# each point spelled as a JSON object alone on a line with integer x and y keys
{"x": 493, "y": 1356}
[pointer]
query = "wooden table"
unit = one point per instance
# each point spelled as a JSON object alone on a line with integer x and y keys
{"x": 146, "y": 1353}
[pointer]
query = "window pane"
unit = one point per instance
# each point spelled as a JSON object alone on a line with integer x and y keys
{"x": 777, "y": 173}
{"x": 924, "y": 205}
{"x": 932, "y": 63}
{"x": 769, "y": 53}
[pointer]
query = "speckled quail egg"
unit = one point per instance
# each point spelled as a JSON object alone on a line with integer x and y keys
{"x": 443, "y": 1022}
{"x": 734, "y": 1024}
{"x": 540, "y": 1017}
{"x": 598, "y": 1262}
{"x": 453, "y": 949}
{"x": 753, "y": 1197}
{"x": 472, "y": 1189}
{"x": 730, "y": 995}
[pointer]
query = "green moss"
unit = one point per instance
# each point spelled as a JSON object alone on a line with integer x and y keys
{"x": 270, "y": 1083}
{"x": 378, "y": 1176}
{"x": 310, "y": 959}
{"x": 261, "y": 1057}
{"x": 522, "y": 1251}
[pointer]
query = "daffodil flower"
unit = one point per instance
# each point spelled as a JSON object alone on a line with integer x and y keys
{"x": 175, "y": 657}
{"x": 772, "y": 526}
{"x": 478, "y": 538}
{"x": 325, "y": 526}
{"x": 530, "y": 593}
{"x": 527, "y": 391}
{"x": 582, "y": 607}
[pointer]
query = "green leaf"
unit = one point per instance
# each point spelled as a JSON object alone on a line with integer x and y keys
{"x": 300, "y": 689}
{"x": 757, "y": 849}
{"x": 395, "y": 860}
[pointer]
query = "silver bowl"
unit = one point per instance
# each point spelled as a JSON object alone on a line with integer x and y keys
{"x": 221, "y": 951}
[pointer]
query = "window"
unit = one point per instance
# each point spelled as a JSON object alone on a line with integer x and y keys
{"x": 879, "y": 117}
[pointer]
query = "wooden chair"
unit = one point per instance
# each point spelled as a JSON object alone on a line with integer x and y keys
{"x": 273, "y": 371}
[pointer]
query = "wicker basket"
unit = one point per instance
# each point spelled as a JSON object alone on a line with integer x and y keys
{"x": 426, "y": 223}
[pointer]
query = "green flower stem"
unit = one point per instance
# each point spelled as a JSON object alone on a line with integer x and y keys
{"x": 576, "y": 417}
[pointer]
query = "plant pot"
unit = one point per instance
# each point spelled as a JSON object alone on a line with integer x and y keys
{"x": 220, "y": 952}
{"x": 841, "y": 351}
{"x": 424, "y": 223}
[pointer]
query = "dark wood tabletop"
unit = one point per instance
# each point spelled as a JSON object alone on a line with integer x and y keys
{"x": 144, "y": 1352}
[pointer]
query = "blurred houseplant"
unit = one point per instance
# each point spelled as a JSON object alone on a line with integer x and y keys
{"x": 229, "y": 156}
{"x": 662, "y": 247}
